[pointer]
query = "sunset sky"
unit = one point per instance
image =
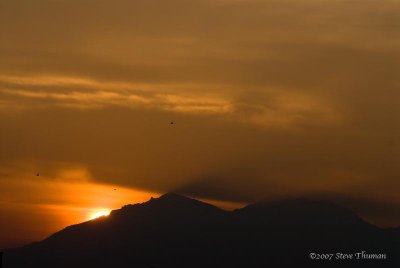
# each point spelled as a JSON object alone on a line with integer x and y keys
{"x": 269, "y": 98}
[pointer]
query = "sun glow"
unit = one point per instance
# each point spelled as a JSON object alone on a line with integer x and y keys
{"x": 99, "y": 213}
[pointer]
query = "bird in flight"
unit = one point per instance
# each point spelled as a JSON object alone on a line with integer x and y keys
{"x": 172, "y": 122}
{"x": 37, "y": 174}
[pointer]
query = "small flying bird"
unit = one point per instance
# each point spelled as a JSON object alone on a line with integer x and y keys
{"x": 37, "y": 174}
{"x": 115, "y": 189}
{"x": 172, "y": 122}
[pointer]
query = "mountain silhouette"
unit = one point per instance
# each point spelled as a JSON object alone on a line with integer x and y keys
{"x": 177, "y": 231}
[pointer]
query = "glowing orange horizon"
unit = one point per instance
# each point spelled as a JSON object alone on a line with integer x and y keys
{"x": 51, "y": 204}
{"x": 99, "y": 213}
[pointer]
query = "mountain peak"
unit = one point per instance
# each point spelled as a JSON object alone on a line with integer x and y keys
{"x": 172, "y": 229}
{"x": 167, "y": 205}
{"x": 172, "y": 196}
{"x": 178, "y": 201}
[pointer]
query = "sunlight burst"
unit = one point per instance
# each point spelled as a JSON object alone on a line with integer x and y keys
{"x": 99, "y": 213}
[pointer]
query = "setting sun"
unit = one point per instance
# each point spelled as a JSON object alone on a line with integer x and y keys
{"x": 98, "y": 214}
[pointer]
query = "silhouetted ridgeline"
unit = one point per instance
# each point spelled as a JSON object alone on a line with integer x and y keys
{"x": 176, "y": 231}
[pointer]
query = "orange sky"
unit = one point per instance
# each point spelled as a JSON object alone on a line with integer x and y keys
{"x": 32, "y": 207}
{"x": 268, "y": 98}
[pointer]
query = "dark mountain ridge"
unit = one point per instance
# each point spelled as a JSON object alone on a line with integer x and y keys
{"x": 177, "y": 231}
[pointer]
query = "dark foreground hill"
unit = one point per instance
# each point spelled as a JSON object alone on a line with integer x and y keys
{"x": 176, "y": 231}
